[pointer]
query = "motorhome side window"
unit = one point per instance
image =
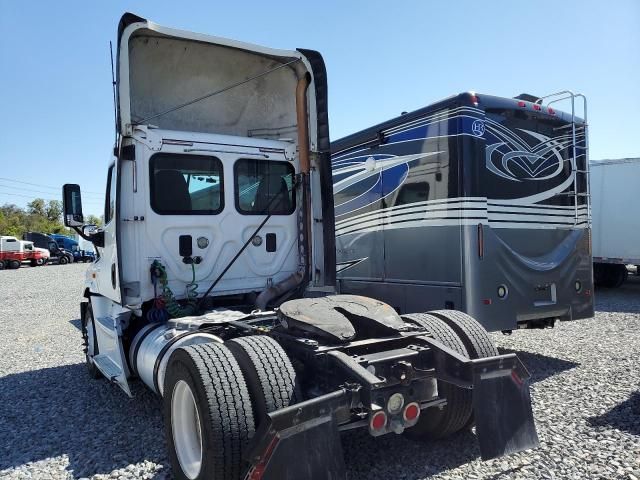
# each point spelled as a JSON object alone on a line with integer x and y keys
{"x": 264, "y": 186}
{"x": 186, "y": 184}
{"x": 110, "y": 200}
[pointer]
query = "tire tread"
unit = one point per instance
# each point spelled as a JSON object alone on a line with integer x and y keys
{"x": 458, "y": 410}
{"x": 270, "y": 375}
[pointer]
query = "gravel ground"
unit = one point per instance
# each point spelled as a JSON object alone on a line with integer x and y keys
{"x": 56, "y": 423}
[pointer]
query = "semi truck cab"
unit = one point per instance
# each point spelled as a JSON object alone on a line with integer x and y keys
{"x": 215, "y": 282}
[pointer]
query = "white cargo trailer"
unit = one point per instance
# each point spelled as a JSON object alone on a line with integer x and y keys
{"x": 616, "y": 233}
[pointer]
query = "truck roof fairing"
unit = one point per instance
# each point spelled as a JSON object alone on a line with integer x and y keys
{"x": 160, "y": 68}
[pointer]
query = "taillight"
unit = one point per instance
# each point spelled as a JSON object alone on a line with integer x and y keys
{"x": 378, "y": 421}
{"x": 411, "y": 412}
{"x": 537, "y": 107}
{"x": 551, "y": 111}
{"x": 522, "y": 104}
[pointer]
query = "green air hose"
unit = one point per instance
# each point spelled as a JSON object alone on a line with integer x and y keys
{"x": 171, "y": 304}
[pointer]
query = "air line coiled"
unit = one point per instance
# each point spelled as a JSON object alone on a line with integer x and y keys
{"x": 166, "y": 304}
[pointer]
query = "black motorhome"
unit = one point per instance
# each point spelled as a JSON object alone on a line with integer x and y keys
{"x": 476, "y": 203}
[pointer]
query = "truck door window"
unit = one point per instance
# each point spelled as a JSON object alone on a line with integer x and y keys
{"x": 110, "y": 199}
{"x": 186, "y": 184}
{"x": 264, "y": 186}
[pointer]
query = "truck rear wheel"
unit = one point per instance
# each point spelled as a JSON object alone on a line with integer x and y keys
{"x": 616, "y": 276}
{"x": 1, "y": 264}
{"x": 63, "y": 260}
{"x": 270, "y": 376}
{"x": 207, "y": 413}
{"x": 439, "y": 423}
{"x": 15, "y": 264}
{"x": 474, "y": 336}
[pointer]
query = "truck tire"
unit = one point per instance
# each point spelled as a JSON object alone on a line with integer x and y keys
{"x": 615, "y": 275}
{"x": 15, "y": 264}
{"x": 33, "y": 263}
{"x": 1, "y": 264}
{"x": 270, "y": 376}
{"x": 90, "y": 342}
{"x": 63, "y": 260}
{"x": 439, "y": 423}
{"x": 207, "y": 413}
{"x": 474, "y": 336}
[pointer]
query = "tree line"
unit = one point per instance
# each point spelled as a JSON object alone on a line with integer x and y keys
{"x": 38, "y": 216}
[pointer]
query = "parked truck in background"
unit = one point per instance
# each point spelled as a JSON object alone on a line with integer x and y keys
{"x": 215, "y": 282}
{"x": 616, "y": 224}
{"x": 57, "y": 254}
{"x": 71, "y": 245}
{"x": 14, "y": 252}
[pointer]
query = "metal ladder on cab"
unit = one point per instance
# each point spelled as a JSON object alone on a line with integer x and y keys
{"x": 575, "y": 149}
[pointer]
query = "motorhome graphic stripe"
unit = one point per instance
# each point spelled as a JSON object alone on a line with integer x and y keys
{"x": 470, "y": 200}
{"x": 416, "y": 223}
{"x": 461, "y": 213}
{"x": 537, "y": 206}
{"x": 467, "y": 221}
{"x": 465, "y": 203}
{"x": 440, "y": 116}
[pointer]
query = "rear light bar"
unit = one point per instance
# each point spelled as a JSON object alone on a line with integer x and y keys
{"x": 537, "y": 107}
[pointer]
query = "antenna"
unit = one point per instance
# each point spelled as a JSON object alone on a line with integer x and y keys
{"x": 115, "y": 107}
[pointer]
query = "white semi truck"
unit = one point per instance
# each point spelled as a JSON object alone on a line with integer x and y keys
{"x": 616, "y": 225}
{"x": 215, "y": 282}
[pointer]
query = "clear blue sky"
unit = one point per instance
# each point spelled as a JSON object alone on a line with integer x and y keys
{"x": 56, "y": 122}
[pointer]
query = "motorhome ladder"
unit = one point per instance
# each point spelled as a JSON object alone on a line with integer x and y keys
{"x": 577, "y": 149}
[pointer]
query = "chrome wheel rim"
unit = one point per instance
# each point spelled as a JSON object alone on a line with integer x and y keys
{"x": 185, "y": 428}
{"x": 90, "y": 336}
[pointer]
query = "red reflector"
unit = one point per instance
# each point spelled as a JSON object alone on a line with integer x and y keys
{"x": 551, "y": 111}
{"x": 516, "y": 378}
{"x": 411, "y": 412}
{"x": 522, "y": 104}
{"x": 257, "y": 471}
{"x": 378, "y": 421}
{"x": 536, "y": 107}
{"x": 487, "y": 301}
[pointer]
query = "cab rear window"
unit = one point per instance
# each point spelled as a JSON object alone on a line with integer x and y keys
{"x": 264, "y": 187}
{"x": 186, "y": 184}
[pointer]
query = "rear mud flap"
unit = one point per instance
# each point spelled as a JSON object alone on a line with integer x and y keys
{"x": 301, "y": 442}
{"x": 502, "y": 409}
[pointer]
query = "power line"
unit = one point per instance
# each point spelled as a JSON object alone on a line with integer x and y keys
{"x": 25, "y": 189}
{"x": 47, "y": 199}
{"x": 43, "y": 186}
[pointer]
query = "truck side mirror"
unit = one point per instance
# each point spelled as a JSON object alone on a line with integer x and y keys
{"x": 72, "y": 205}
